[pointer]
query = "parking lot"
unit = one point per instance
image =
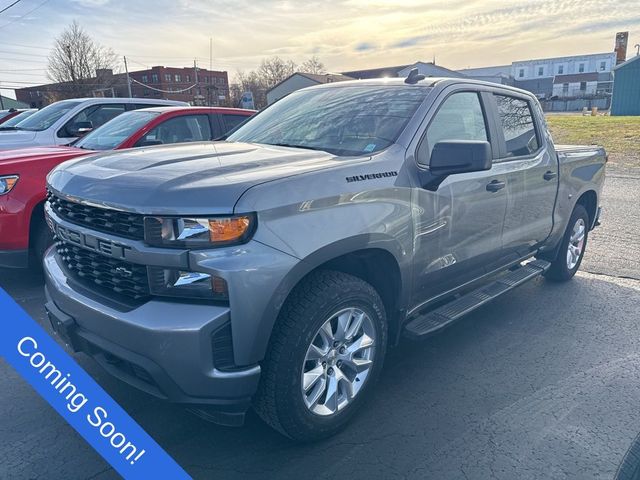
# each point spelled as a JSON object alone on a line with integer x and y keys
{"x": 542, "y": 383}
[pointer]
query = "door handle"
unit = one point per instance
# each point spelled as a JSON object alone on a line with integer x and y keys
{"x": 549, "y": 175}
{"x": 495, "y": 185}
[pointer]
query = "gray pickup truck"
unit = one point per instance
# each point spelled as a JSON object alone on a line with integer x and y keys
{"x": 274, "y": 269}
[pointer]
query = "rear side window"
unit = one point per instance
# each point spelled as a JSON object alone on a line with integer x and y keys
{"x": 232, "y": 121}
{"x": 185, "y": 128}
{"x": 459, "y": 118}
{"x": 518, "y": 126}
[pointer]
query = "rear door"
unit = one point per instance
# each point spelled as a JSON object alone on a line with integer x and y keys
{"x": 458, "y": 227}
{"x": 531, "y": 173}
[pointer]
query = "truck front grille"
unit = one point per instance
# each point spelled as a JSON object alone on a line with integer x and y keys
{"x": 128, "y": 225}
{"x": 95, "y": 270}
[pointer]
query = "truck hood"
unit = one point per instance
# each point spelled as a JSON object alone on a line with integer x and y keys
{"x": 24, "y": 155}
{"x": 187, "y": 179}
{"x": 16, "y": 139}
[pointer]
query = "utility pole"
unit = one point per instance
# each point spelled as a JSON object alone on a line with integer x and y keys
{"x": 210, "y": 66}
{"x": 126, "y": 69}
{"x": 195, "y": 77}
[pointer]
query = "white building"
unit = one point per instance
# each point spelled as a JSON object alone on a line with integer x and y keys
{"x": 301, "y": 80}
{"x": 551, "y": 67}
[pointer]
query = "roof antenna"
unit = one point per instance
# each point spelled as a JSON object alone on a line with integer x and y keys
{"x": 414, "y": 77}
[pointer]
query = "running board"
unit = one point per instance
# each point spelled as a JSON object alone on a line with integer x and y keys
{"x": 443, "y": 316}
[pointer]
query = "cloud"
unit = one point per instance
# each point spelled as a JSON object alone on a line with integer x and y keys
{"x": 364, "y": 47}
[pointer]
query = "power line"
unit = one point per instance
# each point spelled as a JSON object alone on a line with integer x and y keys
{"x": 7, "y": 8}
{"x": 24, "y": 15}
{"x": 24, "y": 54}
{"x": 21, "y": 61}
{"x": 24, "y": 46}
{"x": 163, "y": 91}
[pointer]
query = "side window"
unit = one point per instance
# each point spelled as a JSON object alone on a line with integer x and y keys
{"x": 518, "y": 126}
{"x": 185, "y": 128}
{"x": 232, "y": 121}
{"x": 96, "y": 114}
{"x": 460, "y": 117}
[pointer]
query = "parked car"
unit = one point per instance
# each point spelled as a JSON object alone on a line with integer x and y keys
{"x": 63, "y": 122}
{"x": 11, "y": 123}
{"x": 9, "y": 114}
{"x": 276, "y": 268}
{"x": 23, "y": 232}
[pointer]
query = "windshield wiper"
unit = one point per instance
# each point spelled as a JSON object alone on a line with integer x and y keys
{"x": 297, "y": 146}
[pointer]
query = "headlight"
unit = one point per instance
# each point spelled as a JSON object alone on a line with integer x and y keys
{"x": 7, "y": 182}
{"x": 177, "y": 283}
{"x": 198, "y": 232}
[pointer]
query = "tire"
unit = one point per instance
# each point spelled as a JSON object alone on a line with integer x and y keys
{"x": 42, "y": 238}
{"x": 565, "y": 266}
{"x": 316, "y": 302}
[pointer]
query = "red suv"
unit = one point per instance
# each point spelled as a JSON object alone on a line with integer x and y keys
{"x": 23, "y": 172}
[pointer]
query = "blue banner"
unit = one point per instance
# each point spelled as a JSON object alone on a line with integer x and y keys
{"x": 79, "y": 399}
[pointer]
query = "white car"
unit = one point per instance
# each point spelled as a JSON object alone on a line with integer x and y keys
{"x": 63, "y": 122}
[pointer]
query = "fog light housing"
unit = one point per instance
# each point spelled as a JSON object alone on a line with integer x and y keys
{"x": 169, "y": 282}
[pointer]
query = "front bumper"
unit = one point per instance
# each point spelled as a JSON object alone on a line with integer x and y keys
{"x": 162, "y": 347}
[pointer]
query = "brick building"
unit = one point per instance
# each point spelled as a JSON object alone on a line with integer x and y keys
{"x": 204, "y": 87}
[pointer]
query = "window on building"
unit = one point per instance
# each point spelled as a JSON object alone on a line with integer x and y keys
{"x": 560, "y": 69}
{"x": 581, "y": 68}
{"x": 460, "y": 117}
{"x": 154, "y": 78}
{"x": 167, "y": 77}
{"x": 603, "y": 66}
{"x": 144, "y": 79}
{"x": 517, "y": 124}
{"x": 206, "y": 79}
{"x": 188, "y": 78}
{"x": 540, "y": 71}
{"x": 583, "y": 86}
{"x": 521, "y": 73}
{"x": 177, "y": 77}
{"x": 565, "y": 89}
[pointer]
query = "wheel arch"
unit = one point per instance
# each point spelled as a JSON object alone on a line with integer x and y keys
{"x": 375, "y": 258}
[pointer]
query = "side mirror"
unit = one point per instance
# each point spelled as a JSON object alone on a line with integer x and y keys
{"x": 79, "y": 129}
{"x": 460, "y": 156}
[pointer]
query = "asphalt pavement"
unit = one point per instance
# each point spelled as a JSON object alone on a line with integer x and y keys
{"x": 542, "y": 383}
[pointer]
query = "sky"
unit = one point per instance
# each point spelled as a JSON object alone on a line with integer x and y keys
{"x": 343, "y": 34}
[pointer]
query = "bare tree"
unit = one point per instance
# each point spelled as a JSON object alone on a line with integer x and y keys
{"x": 313, "y": 65}
{"x": 79, "y": 63}
{"x": 249, "y": 82}
{"x": 273, "y": 70}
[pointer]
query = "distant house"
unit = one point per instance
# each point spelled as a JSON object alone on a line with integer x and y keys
{"x": 499, "y": 74}
{"x": 426, "y": 68}
{"x": 626, "y": 88}
{"x": 575, "y": 85}
{"x": 6, "y": 103}
{"x": 301, "y": 80}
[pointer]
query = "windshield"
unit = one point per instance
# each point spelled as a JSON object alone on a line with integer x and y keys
{"x": 116, "y": 131}
{"x": 43, "y": 119}
{"x": 12, "y": 122}
{"x": 354, "y": 120}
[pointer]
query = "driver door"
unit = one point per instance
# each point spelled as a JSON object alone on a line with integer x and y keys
{"x": 458, "y": 227}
